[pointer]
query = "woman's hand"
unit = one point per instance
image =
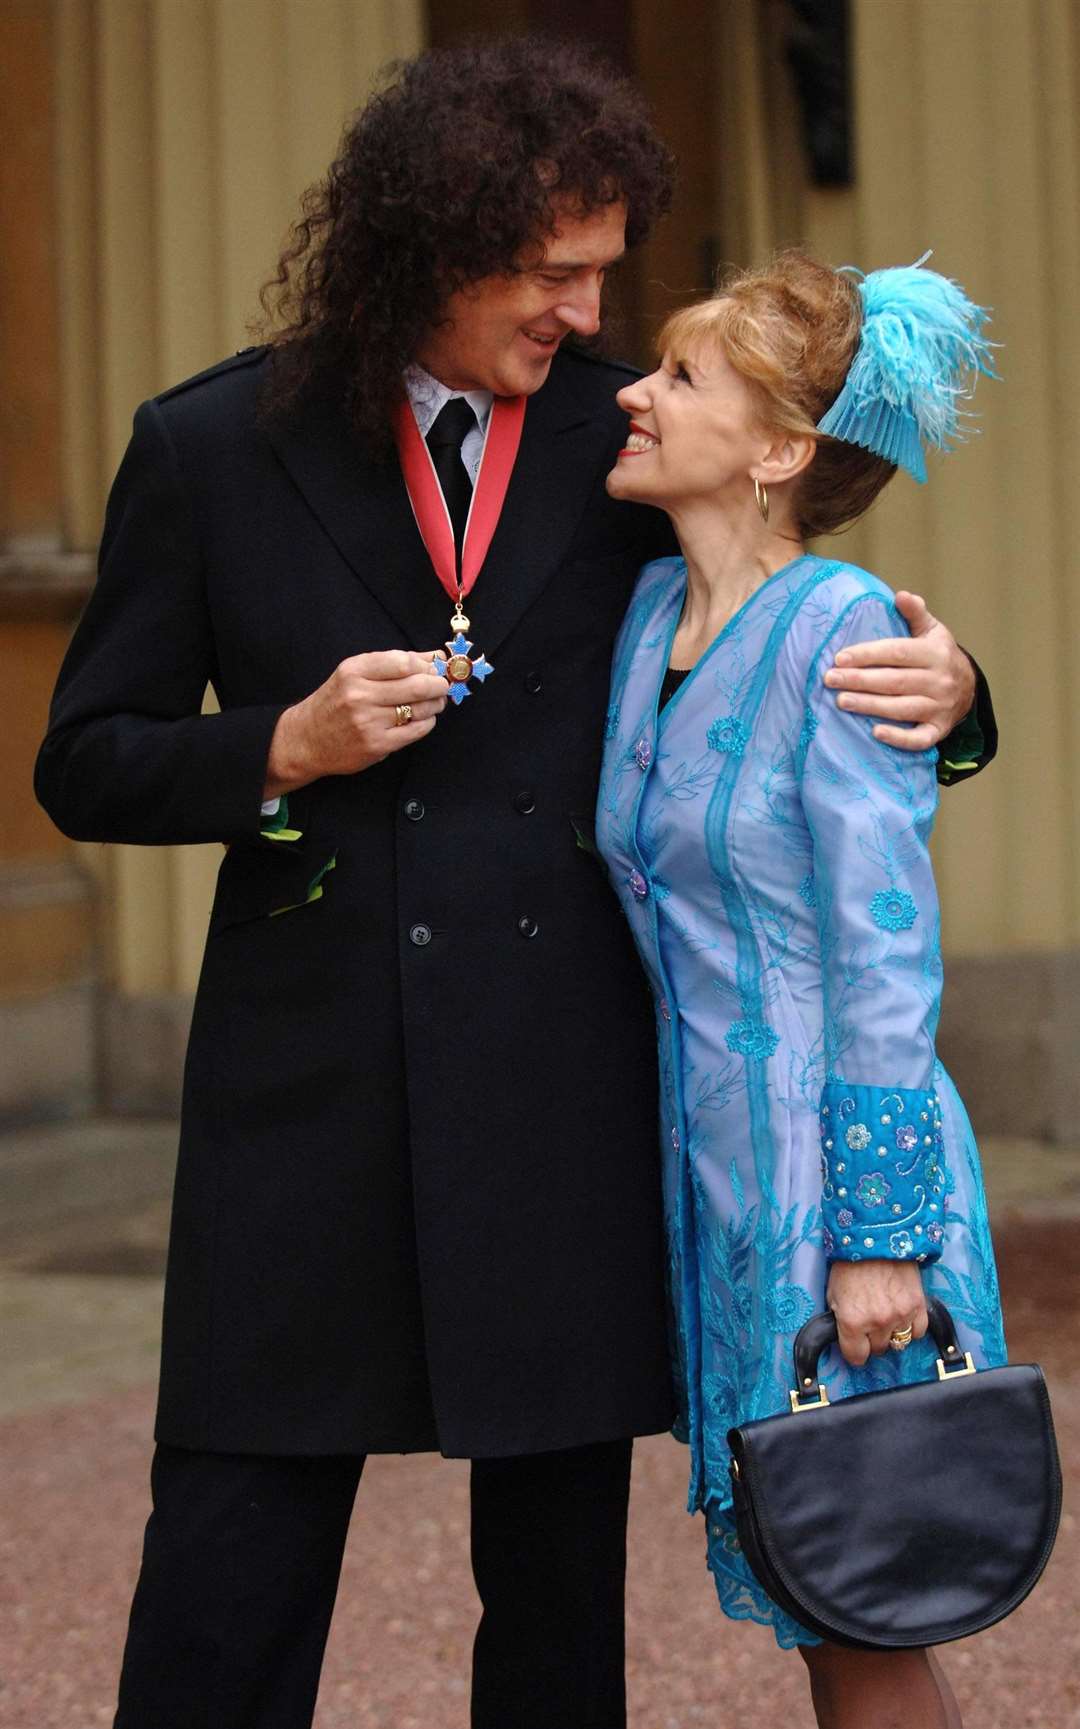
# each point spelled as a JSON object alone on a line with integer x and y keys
{"x": 924, "y": 679}
{"x": 870, "y": 1299}
{"x": 350, "y": 722}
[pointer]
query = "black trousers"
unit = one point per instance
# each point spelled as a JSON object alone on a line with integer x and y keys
{"x": 240, "y": 1570}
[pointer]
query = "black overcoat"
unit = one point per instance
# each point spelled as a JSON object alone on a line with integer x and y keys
{"x": 417, "y": 1198}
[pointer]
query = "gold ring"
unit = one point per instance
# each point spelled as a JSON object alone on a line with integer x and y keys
{"x": 901, "y": 1337}
{"x": 403, "y": 713}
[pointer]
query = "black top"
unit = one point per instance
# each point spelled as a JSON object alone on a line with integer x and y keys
{"x": 673, "y": 678}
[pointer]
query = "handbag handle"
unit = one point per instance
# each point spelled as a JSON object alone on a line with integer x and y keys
{"x": 820, "y": 1332}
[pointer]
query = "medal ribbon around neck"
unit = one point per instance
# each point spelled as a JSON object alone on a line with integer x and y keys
{"x": 436, "y": 530}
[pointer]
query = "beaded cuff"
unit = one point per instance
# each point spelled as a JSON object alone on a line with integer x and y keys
{"x": 884, "y": 1180}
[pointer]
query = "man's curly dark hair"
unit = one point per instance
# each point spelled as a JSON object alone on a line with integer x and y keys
{"x": 448, "y": 175}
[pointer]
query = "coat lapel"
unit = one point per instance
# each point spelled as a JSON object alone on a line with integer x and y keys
{"x": 364, "y": 508}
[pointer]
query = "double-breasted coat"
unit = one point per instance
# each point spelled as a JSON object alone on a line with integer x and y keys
{"x": 417, "y": 1200}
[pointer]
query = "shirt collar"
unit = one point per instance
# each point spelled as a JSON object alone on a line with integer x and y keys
{"x": 428, "y": 397}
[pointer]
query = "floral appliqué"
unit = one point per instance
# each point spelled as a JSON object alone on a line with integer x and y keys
{"x": 893, "y": 910}
{"x": 728, "y": 734}
{"x": 858, "y": 1137}
{"x": 901, "y": 1243}
{"x": 788, "y": 1307}
{"x": 873, "y": 1189}
{"x": 753, "y": 1039}
{"x": 907, "y": 1138}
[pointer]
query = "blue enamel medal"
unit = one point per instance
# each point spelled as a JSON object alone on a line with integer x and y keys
{"x": 458, "y": 665}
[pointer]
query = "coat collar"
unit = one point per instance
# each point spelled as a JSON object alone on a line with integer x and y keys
{"x": 364, "y": 508}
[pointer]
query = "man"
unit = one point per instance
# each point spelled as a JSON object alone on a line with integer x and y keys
{"x": 417, "y": 1197}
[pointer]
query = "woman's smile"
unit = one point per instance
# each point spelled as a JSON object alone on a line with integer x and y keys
{"x": 639, "y": 440}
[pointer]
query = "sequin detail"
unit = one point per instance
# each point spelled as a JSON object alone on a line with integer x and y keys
{"x": 873, "y": 1189}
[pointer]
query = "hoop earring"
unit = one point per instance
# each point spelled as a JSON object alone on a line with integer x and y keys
{"x": 761, "y": 496}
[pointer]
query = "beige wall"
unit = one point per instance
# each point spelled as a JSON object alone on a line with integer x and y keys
{"x": 183, "y": 133}
{"x": 187, "y": 130}
{"x": 966, "y": 141}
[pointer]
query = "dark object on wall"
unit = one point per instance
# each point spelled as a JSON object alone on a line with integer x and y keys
{"x": 819, "y": 56}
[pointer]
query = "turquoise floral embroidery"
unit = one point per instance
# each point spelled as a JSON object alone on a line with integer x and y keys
{"x": 611, "y": 722}
{"x": 902, "y": 1243}
{"x": 728, "y": 735}
{"x": 892, "y": 910}
{"x": 753, "y": 1039}
{"x": 809, "y": 728}
{"x": 873, "y": 1189}
{"x": 807, "y": 890}
{"x": 788, "y": 1308}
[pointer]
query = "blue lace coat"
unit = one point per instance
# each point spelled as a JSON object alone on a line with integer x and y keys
{"x": 772, "y": 860}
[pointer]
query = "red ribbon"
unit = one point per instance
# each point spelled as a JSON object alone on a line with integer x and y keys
{"x": 489, "y": 494}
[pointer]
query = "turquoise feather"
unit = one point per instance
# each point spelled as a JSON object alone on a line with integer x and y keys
{"x": 921, "y": 350}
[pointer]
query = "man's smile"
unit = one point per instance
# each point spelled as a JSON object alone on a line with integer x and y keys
{"x": 544, "y": 339}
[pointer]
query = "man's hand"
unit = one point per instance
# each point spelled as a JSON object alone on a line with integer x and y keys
{"x": 869, "y": 1299}
{"x": 924, "y": 679}
{"x": 349, "y": 723}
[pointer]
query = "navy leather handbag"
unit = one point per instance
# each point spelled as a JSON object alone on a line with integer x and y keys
{"x": 902, "y": 1518}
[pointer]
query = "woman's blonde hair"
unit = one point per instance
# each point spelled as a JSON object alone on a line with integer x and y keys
{"x": 790, "y": 329}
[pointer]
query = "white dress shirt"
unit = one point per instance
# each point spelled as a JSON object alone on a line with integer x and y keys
{"x": 428, "y": 398}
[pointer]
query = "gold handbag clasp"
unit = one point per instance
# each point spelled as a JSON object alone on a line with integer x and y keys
{"x": 955, "y": 1371}
{"x": 799, "y": 1402}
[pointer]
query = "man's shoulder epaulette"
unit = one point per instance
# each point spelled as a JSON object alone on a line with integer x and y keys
{"x": 242, "y": 357}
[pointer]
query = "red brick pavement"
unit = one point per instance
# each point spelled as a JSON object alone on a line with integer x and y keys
{"x": 398, "y": 1657}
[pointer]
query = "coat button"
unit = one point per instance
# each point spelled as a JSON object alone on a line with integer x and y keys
{"x": 414, "y": 809}
{"x": 534, "y": 684}
{"x": 420, "y": 935}
{"x": 528, "y": 927}
{"x": 525, "y": 803}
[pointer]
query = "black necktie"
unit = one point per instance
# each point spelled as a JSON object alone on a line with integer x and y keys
{"x": 454, "y": 421}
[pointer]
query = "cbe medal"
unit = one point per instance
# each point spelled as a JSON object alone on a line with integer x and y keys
{"x": 459, "y": 664}
{"x": 457, "y": 667}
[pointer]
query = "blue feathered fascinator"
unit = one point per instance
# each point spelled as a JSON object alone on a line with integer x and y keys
{"x": 921, "y": 350}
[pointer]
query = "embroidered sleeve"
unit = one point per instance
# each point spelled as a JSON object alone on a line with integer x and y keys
{"x": 870, "y": 809}
{"x": 883, "y": 1173}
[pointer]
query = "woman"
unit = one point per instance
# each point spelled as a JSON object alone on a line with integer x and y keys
{"x": 771, "y": 857}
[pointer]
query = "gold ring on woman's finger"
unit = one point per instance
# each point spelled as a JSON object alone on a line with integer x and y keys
{"x": 403, "y": 714}
{"x": 901, "y": 1337}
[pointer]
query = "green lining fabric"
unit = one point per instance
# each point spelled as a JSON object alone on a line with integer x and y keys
{"x": 314, "y": 893}
{"x": 965, "y": 745}
{"x": 276, "y": 827}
